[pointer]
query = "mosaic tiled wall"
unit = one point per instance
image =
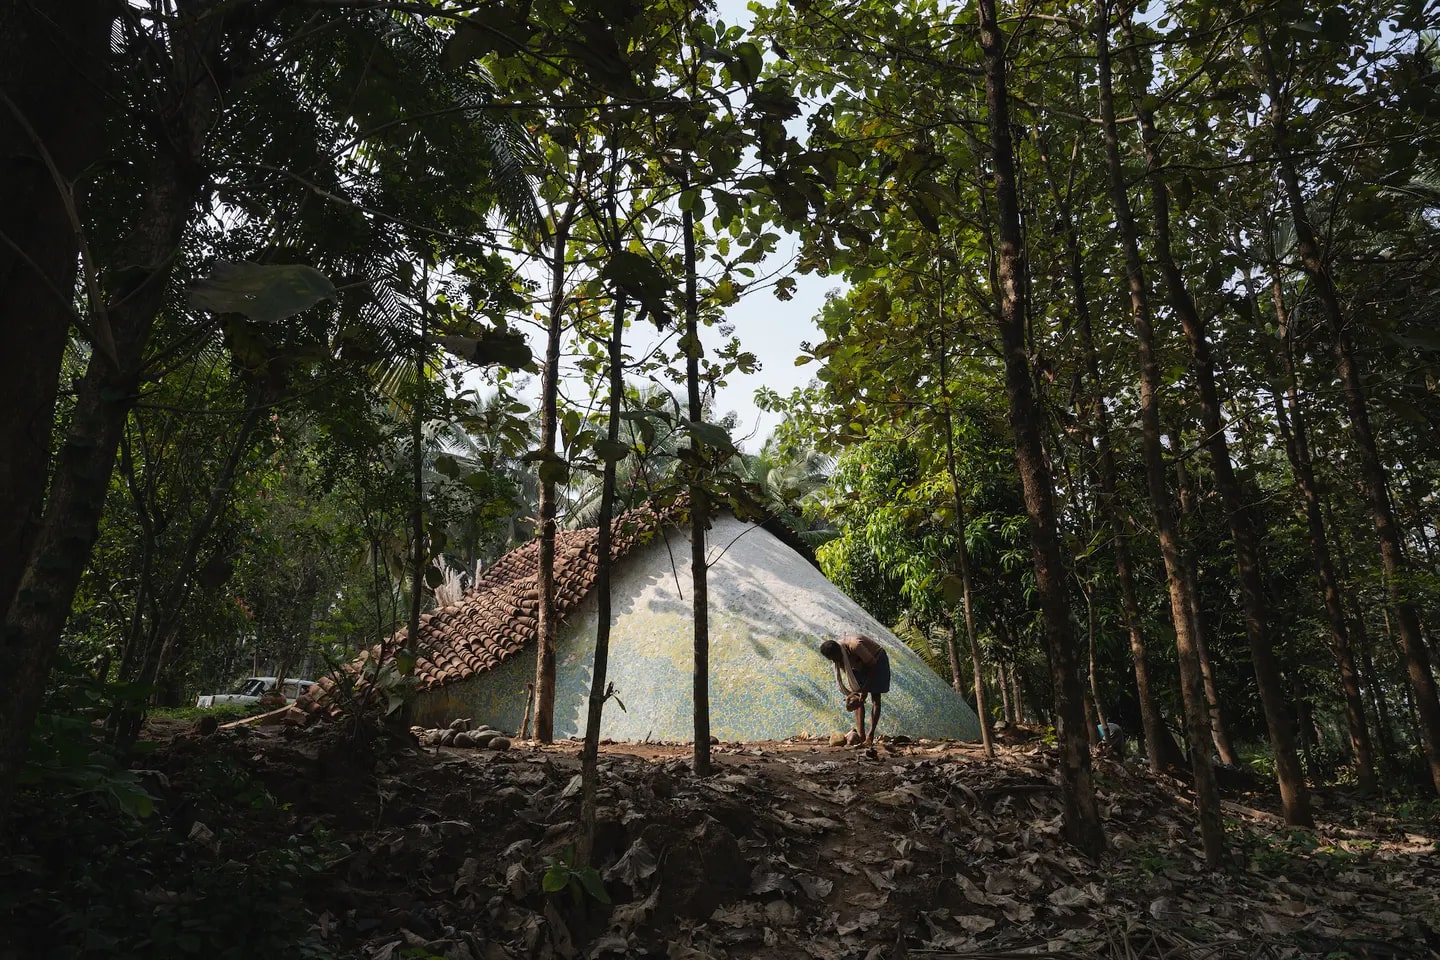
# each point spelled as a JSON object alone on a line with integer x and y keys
{"x": 769, "y": 611}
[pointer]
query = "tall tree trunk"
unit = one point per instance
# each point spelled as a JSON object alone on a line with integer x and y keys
{"x": 418, "y": 553}
{"x": 549, "y": 395}
{"x": 1002, "y": 680}
{"x": 1407, "y": 618}
{"x": 1294, "y": 797}
{"x": 1361, "y": 635}
{"x": 71, "y": 524}
{"x": 952, "y": 650}
{"x": 1295, "y": 434}
{"x": 1091, "y": 672}
{"x": 1115, "y": 520}
{"x": 1082, "y": 815}
{"x": 962, "y": 550}
{"x": 1219, "y": 731}
{"x": 590, "y": 754}
{"x": 1212, "y": 830}
{"x": 1017, "y": 695}
{"x": 55, "y": 94}
{"x": 699, "y": 508}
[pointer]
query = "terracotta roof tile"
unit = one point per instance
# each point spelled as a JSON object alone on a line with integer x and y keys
{"x": 496, "y": 618}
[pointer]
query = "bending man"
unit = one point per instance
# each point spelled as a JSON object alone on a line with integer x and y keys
{"x": 862, "y": 668}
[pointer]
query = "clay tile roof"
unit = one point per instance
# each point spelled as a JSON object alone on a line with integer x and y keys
{"x": 496, "y": 618}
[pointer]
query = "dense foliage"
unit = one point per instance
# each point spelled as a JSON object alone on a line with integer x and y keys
{"x": 1125, "y": 408}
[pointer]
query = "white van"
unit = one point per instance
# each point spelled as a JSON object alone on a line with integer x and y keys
{"x": 253, "y": 689}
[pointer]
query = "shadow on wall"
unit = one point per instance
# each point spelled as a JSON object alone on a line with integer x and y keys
{"x": 770, "y": 609}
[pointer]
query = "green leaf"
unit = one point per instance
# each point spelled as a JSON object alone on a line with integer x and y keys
{"x": 505, "y": 348}
{"x": 590, "y": 880}
{"x": 405, "y": 659}
{"x": 710, "y": 434}
{"x": 555, "y": 878}
{"x": 554, "y": 471}
{"x": 641, "y": 278}
{"x": 446, "y": 466}
{"x": 434, "y": 577}
{"x": 265, "y": 293}
{"x": 746, "y": 68}
{"x": 611, "y": 451}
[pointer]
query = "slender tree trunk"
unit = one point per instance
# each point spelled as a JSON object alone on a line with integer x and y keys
{"x": 1207, "y": 796}
{"x": 699, "y": 509}
{"x": 952, "y": 650}
{"x": 1361, "y": 635}
{"x": 1295, "y": 434}
{"x": 1294, "y": 798}
{"x": 1003, "y": 682}
{"x": 545, "y": 616}
{"x": 1219, "y": 731}
{"x": 1082, "y": 815}
{"x": 590, "y": 755}
{"x": 962, "y": 551}
{"x": 1099, "y": 711}
{"x": 1115, "y": 520}
{"x": 417, "y": 482}
{"x": 1407, "y": 618}
{"x": 126, "y": 721}
{"x": 1017, "y": 696}
{"x": 1379, "y": 703}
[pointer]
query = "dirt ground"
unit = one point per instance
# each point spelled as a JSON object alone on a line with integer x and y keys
{"x": 797, "y": 849}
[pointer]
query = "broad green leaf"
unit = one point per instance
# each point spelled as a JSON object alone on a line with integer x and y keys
{"x": 405, "y": 659}
{"x": 641, "y": 278}
{"x": 446, "y": 466}
{"x": 749, "y": 63}
{"x": 590, "y": 880}
{"x": 555, "y": 878}
{"x": 611, "y": 451}
{"x": 710, "y": 434}
{"x": 266, "y": 293}
{"x": 494, "y": 347}
{"x": 554, "y": 471}
{"x": 569, "y": 425}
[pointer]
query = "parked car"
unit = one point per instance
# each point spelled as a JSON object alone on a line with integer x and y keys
{"x": 255, "y": 689}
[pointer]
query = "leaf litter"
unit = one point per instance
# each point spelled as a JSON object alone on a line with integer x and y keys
{"x": 800, "y": 849}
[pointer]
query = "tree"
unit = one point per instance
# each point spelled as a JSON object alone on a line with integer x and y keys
{"x": 1181, "y": 602}
{"x": 186, "y": 143}
{"x": 1082, "y": 817}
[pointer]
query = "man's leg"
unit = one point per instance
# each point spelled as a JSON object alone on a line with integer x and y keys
{"x": 874, "y": 717}
{"x": 860, "y": 719}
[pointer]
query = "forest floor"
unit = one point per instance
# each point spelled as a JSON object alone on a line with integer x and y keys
{"x": 793, "y": 849}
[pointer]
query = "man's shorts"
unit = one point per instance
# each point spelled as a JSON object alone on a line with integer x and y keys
{"x": 877, "y": 678}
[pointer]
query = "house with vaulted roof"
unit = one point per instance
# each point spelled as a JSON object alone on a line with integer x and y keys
{"x": 769, "y": 610}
